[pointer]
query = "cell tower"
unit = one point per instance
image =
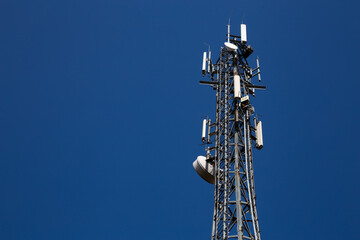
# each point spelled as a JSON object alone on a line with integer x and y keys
{"x": 229, "y": 140}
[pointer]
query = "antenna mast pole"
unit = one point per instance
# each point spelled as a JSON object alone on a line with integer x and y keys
{"x": 228, "y": 31}
{"x": 232, "y": 136}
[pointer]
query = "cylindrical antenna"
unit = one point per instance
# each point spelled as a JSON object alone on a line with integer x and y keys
{"x": 237, "y": 88}
{"x": 228, "y": 32}
{"x": 209, "y": 61}
{"x": 203, "y": 131}
{"x": 209, "y": 128}
{"x": 204, "y": 64}
{"x": 258, "y": 67}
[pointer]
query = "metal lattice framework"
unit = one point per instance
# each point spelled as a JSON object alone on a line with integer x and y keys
{"x": 230, "y": 143}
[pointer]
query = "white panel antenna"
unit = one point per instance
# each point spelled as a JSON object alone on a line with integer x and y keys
{"x": 243, "y": 33}
{"x": 209, "y": 61}
{"x": 204, "y": 64}
{"x": 203, "y": 135}
{"x": 259, "y": 136}
{"x": 237, "y": 89}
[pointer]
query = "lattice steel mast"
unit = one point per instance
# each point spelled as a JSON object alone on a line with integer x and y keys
{"x": 229, "y": 141}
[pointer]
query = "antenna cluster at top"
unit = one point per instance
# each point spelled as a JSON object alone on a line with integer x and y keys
{"x": 236, "y": 45}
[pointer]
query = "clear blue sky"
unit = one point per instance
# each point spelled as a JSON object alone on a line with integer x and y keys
{"x": 100, "y": 117}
